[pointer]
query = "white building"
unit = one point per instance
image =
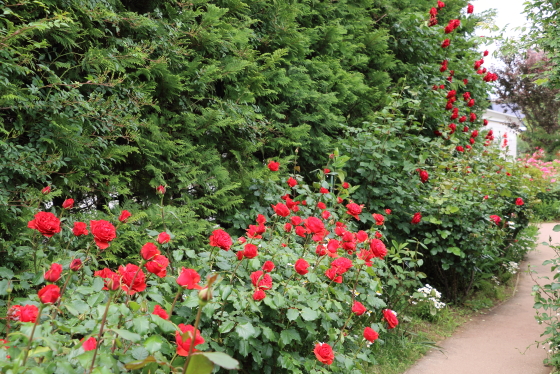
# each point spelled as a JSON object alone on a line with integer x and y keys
{"x": 503, "y": 120}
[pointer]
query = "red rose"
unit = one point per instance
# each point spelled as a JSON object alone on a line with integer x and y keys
{"x": 261, "y": 280}
{"x": 185, "y": 337}
{"x": 474, "y": 134}
{"x": 160, "y": 190}
{"x": 46, "y": 190}
{"x": 296, "y": 220}
{"x": 327, "y": 170}
{"x": 133, "y": 279}
{"x": 333, "y": 276}
{"x": 354, "y": 210}
{"x": 416, "y": 218}
{"x": 124, "y": 215}
{"x": 159, "y": 311}
{"x": 388, "y": 211}
{"x": 470, "y": 103}
{"x": 221, "y": 239}
{"x": 324, "y": 353}
{"x": 391, "y": 318}
{"x": 68, "y": 204}
{"x": 259, "y": 294}
{"x": 163, "y": 238}
{"x": 291, "y": 182}
{"x": 80, "y": 228}
{"x": 301, "y": 231}
{"x": 268, "y": 266}
{"x": 189, "y": 279}
{"x": 273, "y": 166}
{"x": 379, "y": 219}
{"x": 496, "y": 219}
{"x": 76, "y": 264}
{"x": 46, "y": 223}
{"x": 366, "y": 255}
{"x": 378, "y": 235}
{"x": 149, "y": 251}
{"x": 250, "y": 251}
{"x": 423, "y": 175}
{"x": 323, "y": 190}
{"x": 103, "y": 232}
{"x": 28, "y": 313}
{"x": 261, "y": 220}
{"x": 90, "y": 344}
{"x": 333, "y": 245}
{"x": 485, "y": 197}
{"x": 158, "y": 266}
{"x": 361, "y": 236}
{"x": 358, "y": 308}
{"x": 314, "y": 225}
{"x": 465, "y": 81}
{"x": 445, "y": 43}
{"x": 281, "y": 209}
{"x": 485, "y": 53}
{"x": 111, "y": 279}
{"x": 53, "y": 274}
{"x": 370, "y": 334}
{"x": 288, "y": 227}
{"x": 240, "y": 255}
{"x": 377, "y": 247}
{"x": 301, "y": 266}
{"x": 339, "y": 200}
{"x": 470, "y": 8}
{"x": 321, "y": 205}
{"x": 326, "y": 214}
{"x": 345, "y": 185}
{"x": 519, "y": 201}
{"x": 341, "y": 265}
{"x": 460, "y": 149}
{"x": 49, "y": 294}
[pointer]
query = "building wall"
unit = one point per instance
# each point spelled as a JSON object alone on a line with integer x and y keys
{"x": 498, "y": 123}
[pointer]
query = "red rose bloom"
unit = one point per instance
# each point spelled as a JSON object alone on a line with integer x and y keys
{"x": 291, "y": 182}
{"x": 388, "y": 211}
{"x": 379, "y": 219}
{"x": 460, "y": 149}
{"x": 46, "y": 190}
{"x": 333, "y": 245}
{"x": 416, "y": 218}
{"x": 301, "y": 231}
{"x": 220, "y": 239}
{"x": 133, "y": 279}
{"x": 288, "y": 227}
{"x": 323, "y": 190}
{"x": 345, "y": 185}
{"x": 301, "y": 266}
{"x": 445, "y": 43}
{"x": 391, "y": 318}
{"x": 103, "y": 232}
{"x": 111, "y": 279}
{"x": 377, "y": 247}
{"x": 49, "y": 294}
{"x": 149, "y": 251}
{"x": 80, "y": 228}
{"x": 53, "y": 274}
{"x": 273, "y": 166}
{"x": 160, "y": 190}
{"x": 158, "y": 266}
{"x": 189, "y": 279}
{"x": 326, "y": 170}
{"x": 321, "y": 205}
{"x": 341, "y": 265}
{"x": 326, "y": 214}
{"x": 28, "y": 313}
{"x": 324, "y": 353}
{"x": 423, "y": 175}
{"x": 159, "y": 311}
{"x": 261, "y": 280}
{"x": 250, "y": 251}
{"x": 314, "y": 225}
{"x": 46, "y": 223}
{"x": 378, "y": 235}
{"x": 268, "y": 266}
{"x": 519, "y": 201}
{"x": 124, "y": 215}
{"x": 261, "y": 220}
{"x": 354, "y": 210}
{"x": 185, "y": 337}
{"x": 76, "y": 264}
{"x": 281, "y": 209}
{"x": 90, "y": 344}
{"x": 370, "y": 334}
{"x": 331, "y": 274}
{"x": 361, "y": 236}
{"x": 358, "y": 308}
{"x": 470, "y": 8}
{"x": 296, "y": 220}
{"x": 163, "y": 238}
{"x": 68, "y": 204}
{"x": 258, "y": 295}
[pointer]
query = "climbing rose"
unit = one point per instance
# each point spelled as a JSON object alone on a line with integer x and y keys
{"x": 149, "y": 251}
{"x": 470, "y": 103}
{"x": 391, "y": 318}
{"x": 519, "y": 201}
{"x": 46, "y": 223}
{"x": 296, "y": 220}
{"x": 158, "y": 266}
{"x": 49, "y": 294}
{"x": 292, "y": 182}
{"x": 326, "y": 214}
{"x": 388, "y": 211}
{"x": 80, "y": 228}
{"x": 261, "y": 280}
{"x": 46, "y": 190}
{"x": 111, "y": 279}
{"x": 314, "y": 225}
{"x": 281, "y": 209}
{"x": 321, "y": 205}
{"x": 377, "y": 247}
{"x": 163, "y": 238}
{"x": 445, "y": 43}
{"x": 53, "y": 274}
{"x": 362, "y": 236}
{"x": 423, "y": 175}
{"x": 189, "y": 278}
{"x": 459, "y": 148}
{"x": 90, "y": 344}
{"x": 440, "y": 4}
{"x": 345, "y": 185}
{"x": 354, "y": 210}
{"x": 124, "y": 215}
{"x": 185, "y": 337}
{"x": 273, "y": 165}
{"x": 288, "y": 227}
{"x": 301, "y": 266}
{"x": 324, "y": 353}
{"x": 379, "y": 219}
{"x": 250, "y": 251}
{"x": 159, "y": 311}
{"x": 103, "y": 232}
{"x": 378, "y": 235}
{"x": 358, "y": 308}
{"x": 133, "y": 279}
{"x": 323, "y": 190}
{"x": 416, "y": 218}
{"x": 470, "y": 8}
{"x": 68, "y": 204}
{"x": 220, "y": 239}
{"x": 370, "y": 334}
{"x": 258, "y": 295}
{"x": 28, "y": 313}
{"x": 496, "y": 219}
{"x": 76, "y": 264}
{"x": 268, "y": 266}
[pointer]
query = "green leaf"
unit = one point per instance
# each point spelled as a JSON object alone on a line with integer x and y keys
{"x": 200, "y": 364}
{"x": 452, "y": 209}
{"x": 141, "y": 325}
{"x": 292, "y": 314}
{"x": 6, "y": 273}
{"x": 153, "y": 343}
{"x": 125, "y": 334}
{"x": 222, "y": 359}
{"x": 456, "y": 251}
{"x": 135, "y": 365}
{"x": 140, "y": 353}
{"x": 556, "y": 228}
{"x": 165, "y": 325}
{"x": 286, "y": 336}
{"x": 309, "y": 314}
{"x": 3, "y": 287}
{"x": 246, "y": 331}
{"x": 226, "y": 326}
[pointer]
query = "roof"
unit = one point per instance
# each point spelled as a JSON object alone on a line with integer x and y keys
{"x": 509, "y": 109}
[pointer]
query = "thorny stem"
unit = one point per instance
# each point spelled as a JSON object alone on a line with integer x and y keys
{"x": 342, "y": 330}
{"x": 234, "y": 270}
{"x": 32, "y": 333}
{"x": 100, "y": 335}
{"x": 193, "y": 338}
{"x": 175, "y": 300}
{"x": 61, "y": 293}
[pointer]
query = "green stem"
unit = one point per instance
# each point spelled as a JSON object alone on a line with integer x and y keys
{"x": 342, "y": 330}
{"x": 175, "y": 300}
{"x": 100, "y": 335}
{"x": 32, "y": 333}
{"x": 193, "y": 338}
{"x": 55, "y": 306}
{"x": 359, "y": 349}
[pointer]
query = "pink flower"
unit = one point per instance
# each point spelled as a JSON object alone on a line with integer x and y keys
{"x": 160, "y": 190}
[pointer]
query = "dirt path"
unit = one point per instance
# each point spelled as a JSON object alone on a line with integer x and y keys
{"x": 498, "y": 342}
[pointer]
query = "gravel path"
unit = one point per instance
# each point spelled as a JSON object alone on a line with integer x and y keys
{"x": 502, "y": 341}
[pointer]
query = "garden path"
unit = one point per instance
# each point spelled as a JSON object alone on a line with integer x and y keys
{"x": 501, "y": 341}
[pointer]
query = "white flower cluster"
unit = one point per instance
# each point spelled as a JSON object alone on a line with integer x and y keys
{"x": 495, "y": 280}
{"x": 429, "y": 294}
{"x": 512, "y": 267}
